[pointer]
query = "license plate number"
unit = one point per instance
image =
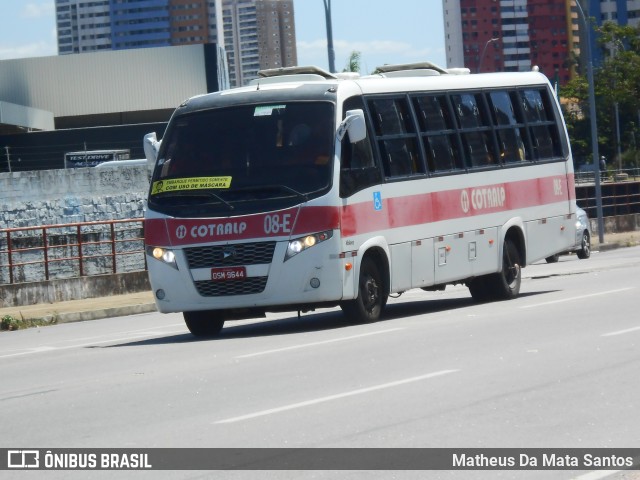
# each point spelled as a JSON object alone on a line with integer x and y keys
{"x": 228, "y": 273}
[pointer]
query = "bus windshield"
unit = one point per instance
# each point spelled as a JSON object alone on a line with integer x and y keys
{"x": 245, "y": 159}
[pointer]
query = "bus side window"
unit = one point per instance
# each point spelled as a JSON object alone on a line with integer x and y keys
{"x": 474, "y": 129}
{"x": 396, "y": 137}
{"x": 391, "y": 116}
{"x": 541, "y": 125}
{"x": 437, "y": 130}
{"x": 507, "y": 128}
{"x": 358, "y": 169}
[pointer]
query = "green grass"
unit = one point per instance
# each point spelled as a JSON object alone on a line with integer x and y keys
{"x": 8, "y": 322}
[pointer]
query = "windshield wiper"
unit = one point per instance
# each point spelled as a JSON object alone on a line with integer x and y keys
{"x": 286, "y": 188}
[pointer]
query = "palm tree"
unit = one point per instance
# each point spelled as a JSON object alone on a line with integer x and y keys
{"x": 353, "y": 64}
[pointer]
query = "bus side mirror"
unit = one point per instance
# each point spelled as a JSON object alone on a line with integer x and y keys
{"x": 151, "y": 146}
{"x": 354, "y": 124}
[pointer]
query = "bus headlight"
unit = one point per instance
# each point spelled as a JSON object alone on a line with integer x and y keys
{"x": 164, "y": 255}
{"x": 300, "y": 244}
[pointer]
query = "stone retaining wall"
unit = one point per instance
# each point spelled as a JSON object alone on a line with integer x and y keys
{"x": 51, "y": 197}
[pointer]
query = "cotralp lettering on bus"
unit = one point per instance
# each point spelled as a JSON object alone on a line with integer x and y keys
{"x": 483, "y": 198}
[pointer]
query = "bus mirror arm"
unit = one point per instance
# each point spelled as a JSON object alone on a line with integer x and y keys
{"x": 151, "y": 146}
{"x": 354, "y": 124}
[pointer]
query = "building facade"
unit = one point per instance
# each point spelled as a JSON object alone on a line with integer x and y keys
{"x": 622, "y": 12}
{"x": 512, "y": 35}
{"x": 503, "y": 35}
{"x": 257, "y": 34}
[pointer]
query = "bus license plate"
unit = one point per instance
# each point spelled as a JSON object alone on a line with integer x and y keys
{"x": 228, "y": 273}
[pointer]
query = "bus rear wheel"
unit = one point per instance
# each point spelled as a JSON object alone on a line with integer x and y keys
{"x": 503, "y": 285}
{"x": 206, "y": 323}
{"x": 372, "y": 295}
{"x": 506, "y": 283}
{"x": 479, "y": 288}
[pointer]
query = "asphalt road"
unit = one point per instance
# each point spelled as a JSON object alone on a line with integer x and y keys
{"x": 557, "y": 367}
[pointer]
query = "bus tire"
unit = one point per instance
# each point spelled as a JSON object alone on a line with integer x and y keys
{"x": 372, "y": 295}
{"x": 206, "y": 323}
{"x": 505, "y": 284}
{"x": 478, "y": 287}
{"x": 553, "y": 258}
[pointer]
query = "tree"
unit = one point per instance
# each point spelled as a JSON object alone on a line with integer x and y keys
{"x": 621, "y": 69}
{"x": 353, "y": 64}
{"x": 620, "y": 83}
{"x": 575, "y": 95}
{"x": 617, "y": 82}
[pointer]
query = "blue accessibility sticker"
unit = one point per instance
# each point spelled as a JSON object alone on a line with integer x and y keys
{"x": 377, "y": 201}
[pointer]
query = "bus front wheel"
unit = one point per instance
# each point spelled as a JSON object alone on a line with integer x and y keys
{"x": 206, "y": 323}
{"x": 372, "y": 295}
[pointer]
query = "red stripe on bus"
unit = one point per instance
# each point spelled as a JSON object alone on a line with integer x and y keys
{"x": 453, "y": 204}
{"x": 284, "y": 223}
{"x": 362, "y": 217}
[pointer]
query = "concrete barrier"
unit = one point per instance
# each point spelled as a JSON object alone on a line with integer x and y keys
{"x": 618, "y": 224}
{"x": 33, "y": 293}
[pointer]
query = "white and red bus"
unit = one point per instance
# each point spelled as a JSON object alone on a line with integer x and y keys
{"x": 309, "y": 189}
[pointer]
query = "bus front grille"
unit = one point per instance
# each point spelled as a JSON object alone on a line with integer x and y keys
{"x": 251, "y": 285}
{"x": 230, "y": 255}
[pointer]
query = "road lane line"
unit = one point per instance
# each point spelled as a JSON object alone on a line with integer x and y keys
{"x": 338, "y": 396}
{"x": 581, "y": 297}
{"x": 46, "y": 348}
{"x": 324, "y": 342}
{"x": 621, "y": 332}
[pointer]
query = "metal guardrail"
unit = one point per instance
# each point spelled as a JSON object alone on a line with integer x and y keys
{"x": 31, "y": 254}
{"x": 610, "y": 175}
{"x": 620, "y": 193}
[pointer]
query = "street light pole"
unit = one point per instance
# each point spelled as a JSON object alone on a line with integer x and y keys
{"x": 330, "y": 51}
{"x": 594, "y": 124}
{"x": 484, "y": 50}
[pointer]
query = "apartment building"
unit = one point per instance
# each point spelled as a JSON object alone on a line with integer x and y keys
{"x": 622, "y": 12}
{"x": 505, "y": 35}
{"x": 256, "y": 34}
{"x": 511, "y": 35}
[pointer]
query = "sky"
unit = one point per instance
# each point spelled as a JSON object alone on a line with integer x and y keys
{"x": 383, "y": 31}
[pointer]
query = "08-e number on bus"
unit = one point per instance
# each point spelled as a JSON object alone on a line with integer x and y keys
{"x": 274, "y": 224}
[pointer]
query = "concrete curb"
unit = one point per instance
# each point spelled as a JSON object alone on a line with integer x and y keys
{"x": 69, "y": 317}
{"x": 605, "y": 247}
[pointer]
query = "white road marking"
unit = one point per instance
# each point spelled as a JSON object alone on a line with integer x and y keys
{"x": 571, "y": 299}
{"x": 338, "y": 396}
{"x": 313, "y": 344}
{"x": 47, "y": 348}
{"x": 621, "y": 332}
